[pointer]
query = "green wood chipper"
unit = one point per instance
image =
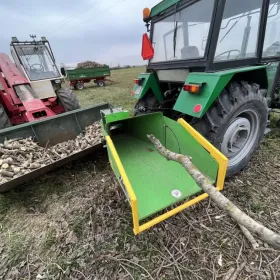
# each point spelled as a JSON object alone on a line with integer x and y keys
{"x": 157, "y": 189}
{"x": 211, "y": 83}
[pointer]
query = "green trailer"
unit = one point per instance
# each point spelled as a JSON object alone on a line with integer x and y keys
{"x": 78, "y": 77}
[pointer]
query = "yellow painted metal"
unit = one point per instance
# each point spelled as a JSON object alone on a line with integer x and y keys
{"x": 214, "y": 152}
{"x": 172, "y": 212}
{"x": 219, "y": 157}
{"x": 127, "y": 185}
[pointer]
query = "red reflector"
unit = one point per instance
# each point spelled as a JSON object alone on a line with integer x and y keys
{"x": 147, "y": 48}
{"x": 197, "y": 108}
{"x": 138, "y": 82}
{"x": 132, "y": 93}
{"x": 192, "y": 88}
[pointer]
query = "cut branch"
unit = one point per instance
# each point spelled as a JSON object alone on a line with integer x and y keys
{"x": 250, "y": 237}
{"x": 224, "y": 203}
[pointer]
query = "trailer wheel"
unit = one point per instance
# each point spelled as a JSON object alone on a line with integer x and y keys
{"x": 79, "y": 85}
{"x": 100, "y": 83}
{"x": 235, "y": 123}
{"x": 68, "y": 99}
{"x": 4, "y": 120}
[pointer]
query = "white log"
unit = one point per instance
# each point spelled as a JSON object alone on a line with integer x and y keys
{"x": 224, "y": 203}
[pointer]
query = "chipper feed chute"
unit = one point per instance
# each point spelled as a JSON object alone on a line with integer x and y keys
{"x": 156, "y": 188}
{"x": 49, "y": 132}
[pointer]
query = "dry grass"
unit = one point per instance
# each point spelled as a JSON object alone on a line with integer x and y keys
{"x": 75, "y": 224}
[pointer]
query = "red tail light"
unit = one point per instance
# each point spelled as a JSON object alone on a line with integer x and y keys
{"x": 192, "y": 88}
{"x": 138, "y": 82}
{"x": 147, "y": 48}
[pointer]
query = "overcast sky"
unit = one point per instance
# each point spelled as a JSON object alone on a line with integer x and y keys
{"x": 108, "y": 31}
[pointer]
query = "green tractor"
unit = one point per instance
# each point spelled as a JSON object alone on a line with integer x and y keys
{"x": 214, "y": 63}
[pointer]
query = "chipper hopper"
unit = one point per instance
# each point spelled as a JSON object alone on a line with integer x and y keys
{"x": 157, "y": 189}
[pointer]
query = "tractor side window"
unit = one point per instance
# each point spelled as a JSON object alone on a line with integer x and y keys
{"x": 239, "y": 30}
{"x": 271, "y": 45}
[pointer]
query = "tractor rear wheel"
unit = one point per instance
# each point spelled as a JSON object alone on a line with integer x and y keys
{"x": 236, "y": 122}
{"x": 4, "y": 120}
{"x": 68, "y": 99}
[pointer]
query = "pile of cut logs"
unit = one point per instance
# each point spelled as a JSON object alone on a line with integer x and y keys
{"x": 21, "y": 156}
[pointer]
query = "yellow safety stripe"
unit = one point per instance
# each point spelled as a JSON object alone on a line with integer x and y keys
{"x": 214, "y": 152}
{"x": 131, "y": 194}
{"x": 172, "y": 212}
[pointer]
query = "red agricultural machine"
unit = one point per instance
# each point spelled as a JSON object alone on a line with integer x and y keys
{"x": 30, "y": 87}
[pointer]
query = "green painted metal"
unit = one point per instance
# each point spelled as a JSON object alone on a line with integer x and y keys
{"x": 115, "y": 114}
{"x": 152, "y": 177}
{"x": 163, "y": 5}
{"x": 88, "y": 73}
{"x": 213, "y": 84}
{"x": 149, "y": 82}
{"x": 54, "y": 130}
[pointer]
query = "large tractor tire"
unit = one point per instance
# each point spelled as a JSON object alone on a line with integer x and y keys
{"x": 235, "y": 124}
{"x": 68, "y": 99}
{"x": 4, "y": 120}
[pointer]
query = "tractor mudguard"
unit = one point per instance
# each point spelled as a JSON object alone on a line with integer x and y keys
{"x": 212, "y": 84}
{"x": 146, "y": 82}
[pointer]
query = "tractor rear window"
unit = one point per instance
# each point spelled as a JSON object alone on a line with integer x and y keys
{"x": 239, "y": 30}
{"x": 184, "y": 34}
{"x": 37, "y": 62}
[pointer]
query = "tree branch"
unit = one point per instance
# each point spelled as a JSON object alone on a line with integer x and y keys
{"x": 224, "y": 203}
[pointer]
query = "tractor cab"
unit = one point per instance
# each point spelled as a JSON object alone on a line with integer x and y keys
{"x": 200, "y": 34}
{"x": 36, "y": 61}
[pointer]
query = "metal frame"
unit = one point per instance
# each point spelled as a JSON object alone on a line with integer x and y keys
{"x": 216, "y": 154}
{"x": 40, "y": 43}
{"x": 207, "y": 62}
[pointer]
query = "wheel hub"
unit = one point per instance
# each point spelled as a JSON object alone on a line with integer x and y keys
{"x": 237, "y": 135}
{"x": 240, "y": 136}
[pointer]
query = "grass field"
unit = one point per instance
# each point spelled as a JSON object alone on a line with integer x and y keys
{"x": 117, "y": 92}
{"x": 75, "y": 223}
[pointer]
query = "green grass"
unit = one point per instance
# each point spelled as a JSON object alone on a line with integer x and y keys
{"x": 118, "y": 92}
